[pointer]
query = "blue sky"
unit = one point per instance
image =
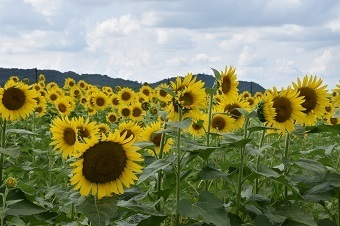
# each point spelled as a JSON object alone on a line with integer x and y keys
{"x": 269, "y": 42}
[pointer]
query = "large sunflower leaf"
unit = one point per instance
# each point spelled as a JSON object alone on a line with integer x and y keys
{"x": 153, "y": 168}
{"x": 98, "y": 211}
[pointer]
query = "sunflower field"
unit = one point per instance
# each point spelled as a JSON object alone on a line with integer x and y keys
{"x": 176, "y": 154}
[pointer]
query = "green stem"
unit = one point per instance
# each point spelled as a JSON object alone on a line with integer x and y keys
{"x": 240, "y": 173}
{"x": 258, "y": 159}
{"x": 208, "y": 131}
{"x": 72, "y": 211}
{"x": 178, "y": 169}
{"x": 160, "y": 173}
{"x": 3, "y": 143}
{"x": 338, "y": 206}
{"x": 286, "y": 168}
{"x": 33, "y": 143}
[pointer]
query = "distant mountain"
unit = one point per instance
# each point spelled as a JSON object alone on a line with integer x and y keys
{"x": 104, "y": 80}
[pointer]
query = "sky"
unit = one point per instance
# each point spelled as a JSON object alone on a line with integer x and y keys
{"x": 271, "y": 42}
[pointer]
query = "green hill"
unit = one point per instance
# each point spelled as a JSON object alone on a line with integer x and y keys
{"x": 104, "y": 80}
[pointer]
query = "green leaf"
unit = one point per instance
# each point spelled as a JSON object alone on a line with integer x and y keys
{"x": 184, "y": 124}
{"x": 27, "y": 189}
{"x": 324, "y": 128}
{"x": 24, "y": 208}
{"x": 333, "y": 179}
{"x": 320, "y": 192}
{"x": 203, "y": 151}
{"x": 294, "y": 213}
{"x": 153, "y": 168}
{"x": 211, "y": 173}
{"x": 259, "y": 128}
{"x": 11, "y": 202}
{"x": 326, "y": 222}
{"x": 264, "y": 171}
{"x": 185, "y": 208}
{"x": 20, "y": 131}
{"x": 216, "y": 74}
{"x": 169, "y": 91}
{"x": 211, "y": 209}
{"x": 15, "y": 221}
{"x": 152, "y": 220}
{"x": 98, "y": 211}
{"x": 135, "y": 207}
{"x": 273, "y": 217}
{"x": 311, "y": 165}
{"x": 13, "y": 152}
{"x": 208, "y": 207}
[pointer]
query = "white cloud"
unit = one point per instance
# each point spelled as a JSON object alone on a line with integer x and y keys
{"x": 251, "y": 57}
{"x": 204, "y": 58}
{"x": 46, "y": 7}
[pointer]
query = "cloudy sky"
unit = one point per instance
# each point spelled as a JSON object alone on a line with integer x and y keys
{"x": 271, "y": 42}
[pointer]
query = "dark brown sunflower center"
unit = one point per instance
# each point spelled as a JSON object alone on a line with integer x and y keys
{"x": 102, "y": 129}
{"x": 283, "y": 109}
{"x": 333, "y": 121}
{"x": 83, "y": 100}
{"x": 126, "y": 112}
{"x": 115, "y": 101}
{"x": 250, "y": 101}
{"x": 126, "y": 96}
{"x": 226, "y": 85}
{"x": 53, "y": 97}
{"x": 196, "y": 126}
{"x": 112, "y": 118}
{"x": 104, "y": 162}
{"x": 13, "y": 98}
{"x": 186, "y": 99}
{"x": 231, "y": 108}
{"x": 76, "y": 92}
{"x": 129, "y": 133}
{"x": 145, "y": 106}
{"x": 157, "y": 139}
{"x": 69, "y": 136}
{"x": 38, "y": 109}
{"x": 83, "y": 132}
{"x": 82, "y": 85}
{"x": 162, "y": 93}
{"x": 71, "y": 83}
{"x": 62, "y": 108}
{"x": 328, "y": 108}
{"x": 100, "y": 101}
{"x": 146, "y": 92}
{"x": 136, "y": 112}
{"x": 310, "y": 99}
{"x": 218, "y": 123}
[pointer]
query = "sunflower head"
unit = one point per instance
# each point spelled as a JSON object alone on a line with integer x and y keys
{"x": 227, "y": 82}
{"x": 17, "y": 100}
{"x": 105, "y": 166}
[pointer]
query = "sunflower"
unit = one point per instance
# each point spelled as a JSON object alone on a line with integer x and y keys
{"x": 125, "y": 111}
{"x": 51, "y": 85}
{"x": 141, "y": 97}
{"x": 64, "y": 135}
{"x": 315, "y": 96}
{"x": 221, "y": 123}
{"x": 69, "y": 82}
{"x": 281, "y": 109}
{"x": 103, "y": 128}
{"x": 41, "y": 107}
{"x": 227, "y": 82}
{"x": 99, "y": 100}
{"x": 63, "y": 106}
{"x": 252, "y": 102}
{"x": 14, "y": 78}
{"x": 336, "y": 96}
{"x": 230, "y": 105}
{"x": 246, "y": 94}
{"x": 53, "y": 95}
{"x": 86, "y": 129}
{"x": 199, "y": 126}
{"x": 180, "y": 84}
{"x": 258, "y": 95}
{"x": 114, "y": 101}
{"x": 111, "y": 117}
{"x": 75, "y": 92}
{"x": 192, "y": 96}
{"x": 150, "y": 134}
{"x": 41, "y": 77}
{"x": 105, "y": 167}
{"x": 147, "y": 91}
{"x": 16, "y": 100}
{"x": 82, "y": 84}
{"x": 37, "y": 87}
{"x": 126, "y": 95}
{"x": 131, "y": 129}
{"x": 137, "y": 111}
{"x": 332, "y": 120}
{"x": 161, "y": 94}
